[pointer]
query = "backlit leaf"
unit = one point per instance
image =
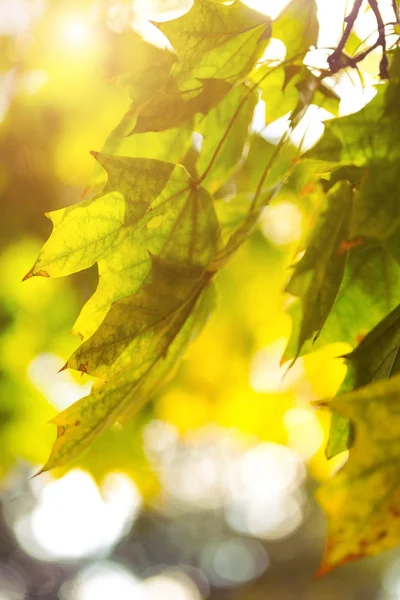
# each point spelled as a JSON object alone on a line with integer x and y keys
{"x": 376, "y": 357}
{"x": 217, "y": 45}
{"x": 224, "y": 136}
{"x": 369, "y": 139}
{"x": 362, "y": 501}
{"x": 216, "y": 40}
{"x": 137, "y": 344}
{"x": 371, "y": 281}
{"x": 318, "y": 275}
{"x": 297, "y": 26}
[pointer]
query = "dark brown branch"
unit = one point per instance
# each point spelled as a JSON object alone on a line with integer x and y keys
{"x": 339, "y": 60}
{"x": 381, "y": 41}
{"x": 335, "y": 60}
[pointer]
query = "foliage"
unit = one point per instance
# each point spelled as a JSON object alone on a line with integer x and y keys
{"x": 174, "y": 211}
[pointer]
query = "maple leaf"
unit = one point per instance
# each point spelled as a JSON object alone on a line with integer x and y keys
{"x": 173, "y": 107}
{"x": 146, "y": 206}
{"x": 369, "y": 139}
{"x": 362, "y": 285}
{"x": 135, "y": 348}
{"x": 376, "y": 357}
{"x": 229, "y": 120}
{"x": 297, "y": 26}
{"x": 215, "y": 40}
{"x": 318, "y": 275}
{"x": 290, "y": 89}
{"x": 362, "y": 501}
{"x": 149, "y": 216}
{"x": 216, "y": 46}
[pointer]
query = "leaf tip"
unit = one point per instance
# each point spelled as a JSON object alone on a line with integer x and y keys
{"x": 320, "y": 403}
{"x": 40, "y": 472}
{"x": 29, "y": 274}
{"x": 33, "y": 273}
{"x": 155, "y": 24}
{"x": 283, "y": 360}
{"x": 322, "y": 570}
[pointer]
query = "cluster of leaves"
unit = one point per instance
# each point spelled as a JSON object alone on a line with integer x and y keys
{"x": 160, "y": 230}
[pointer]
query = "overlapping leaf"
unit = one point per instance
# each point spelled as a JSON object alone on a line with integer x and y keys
{"x": 215, "y": 40}
{"x": 150, "y": 227}
{"x": 362, "y": 501}
{"x": 371, "y": 281}
{"x": 136, "y": 346}
{"x": 297, "y": 26}
{"x": 147, "y": 206}
{"x": 318, "y": 275}
{"x": 376, "y": 357}
{"x": 363, "y": 148}
{"x": 217, "y": 45}
{"x": 224, "y": 134}
{"x": 369, "y": 139}
{"x": 158, "y": 237}
{"x": 291, "y": 88}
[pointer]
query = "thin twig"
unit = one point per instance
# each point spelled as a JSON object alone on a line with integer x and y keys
{"x": 381, "y": 41}
{"x": 335, "y": 60}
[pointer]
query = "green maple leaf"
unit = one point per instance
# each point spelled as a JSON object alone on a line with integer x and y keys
{"x": 170, "y": 145}
{"x": 216, "y": 46}
{"x": 369, "y": 139}
{"x": 291, "y": 88}
{"x": 362, "y": 501}
{"x": 240, "y": 214}
{"x": 146, "y": 206}
{"x": 135, "y": 347}
{"x": 297, "y": 26}
{"x": 318, "y": 275}
{"x": 152, "y": 231}
{"x": 225, "y": 132}
{"x": 174, "y": 107}
{"x": 376, "y": 357}
{"x": 280, "y": 97}
{"x": 371, "y": 281}
{"x": 215, "y": 40}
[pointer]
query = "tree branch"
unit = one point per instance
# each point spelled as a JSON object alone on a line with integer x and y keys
{"x": 339, "y": 60}
{"x": 335, "y": 60}
{"x": 381, "y": 41}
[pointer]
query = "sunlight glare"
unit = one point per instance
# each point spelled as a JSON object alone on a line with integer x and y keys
{"x": 102, "y": 581}
{"x": 267, "y": 500}
{"x": 72, "y": 519}
{"x": 391, "y": 580}
{"x": 305, "y": 433}
{"x": 282, "y": 223}
{"x": 74, "y": 32}
{"x": 266, "y": 373}
{"x": 60, "y": 389}
{"x": 272, "y": 8}
{"x": 170, "y": 586}
{"x": 234, "y": 561}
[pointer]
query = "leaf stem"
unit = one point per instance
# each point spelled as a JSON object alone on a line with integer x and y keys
{"x": 267, "y": 169}
{"x": 235, "y": 115}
